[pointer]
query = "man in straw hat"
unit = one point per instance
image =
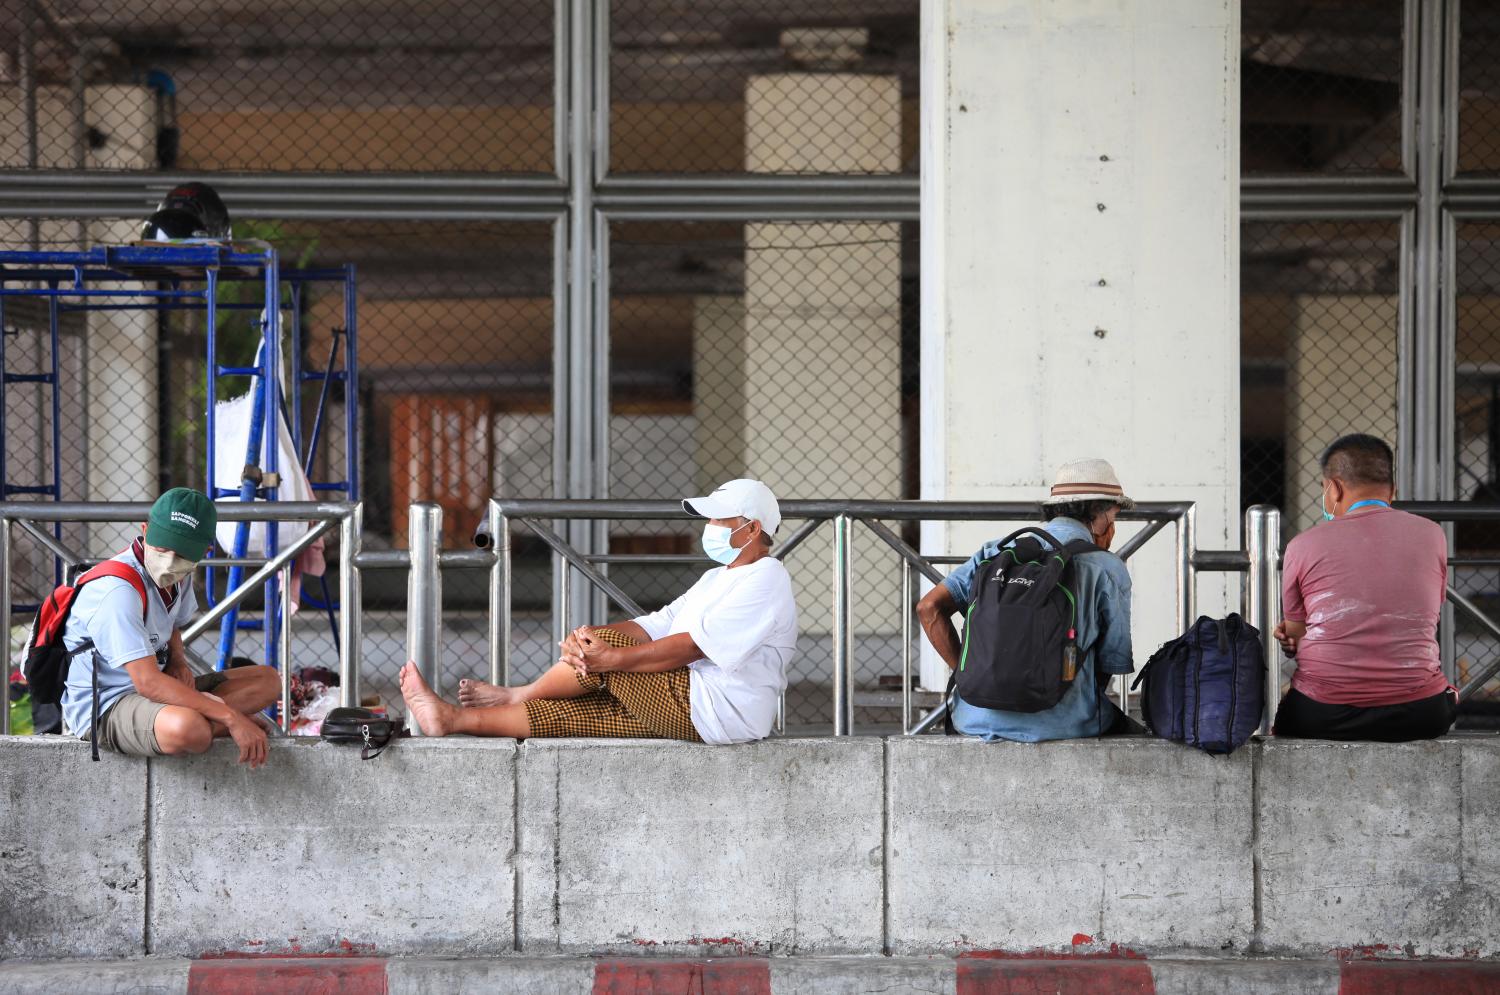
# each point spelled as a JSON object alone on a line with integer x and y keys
{"x": 1082, "y": 506}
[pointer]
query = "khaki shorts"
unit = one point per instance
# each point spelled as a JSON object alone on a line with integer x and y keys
{"x": 129, "y": 727}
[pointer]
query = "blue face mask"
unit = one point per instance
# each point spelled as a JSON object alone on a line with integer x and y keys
{"x": 716, "y": 543}
{"x": 1323, "y": 502}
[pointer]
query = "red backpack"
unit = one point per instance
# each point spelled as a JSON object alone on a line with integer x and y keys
{"x": 46, "y": 663}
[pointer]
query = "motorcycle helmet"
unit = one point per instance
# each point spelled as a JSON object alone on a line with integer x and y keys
{"x": 201, "y": 200}
{"x": 170, "y": 224}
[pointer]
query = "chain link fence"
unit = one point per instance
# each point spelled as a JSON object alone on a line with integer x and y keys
{"x": 340, "y": 85}
{"x": 1478, "y": 138}
{"x": 828, "y": 86}
{"x": 1321, "y": 86}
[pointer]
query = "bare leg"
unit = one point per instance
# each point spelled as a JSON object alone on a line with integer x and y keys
{"x": 249, "y": 689}
{"x": 558, "y": 682}
{"x": 435, "y": 717}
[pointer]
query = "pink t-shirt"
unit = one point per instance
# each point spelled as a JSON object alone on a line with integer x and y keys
{"x": 1369, "y": 586}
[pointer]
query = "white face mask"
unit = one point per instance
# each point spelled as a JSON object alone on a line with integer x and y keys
{"x": 167, "y": 568}
{"x": 716, "y": 543}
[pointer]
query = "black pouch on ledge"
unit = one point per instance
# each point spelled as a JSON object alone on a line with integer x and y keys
{"x": 363, "y": 728}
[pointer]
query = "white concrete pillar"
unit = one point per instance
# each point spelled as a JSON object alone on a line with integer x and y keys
{"x": 822, "y": 314}
{"x": 1341, "y": 378}
{"x": 1080, "y": 187}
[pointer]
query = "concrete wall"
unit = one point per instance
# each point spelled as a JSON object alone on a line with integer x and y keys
{"x": 803, "y": 847}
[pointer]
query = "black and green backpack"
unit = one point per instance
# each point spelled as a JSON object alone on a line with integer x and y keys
{"x": 1020, "y": 652}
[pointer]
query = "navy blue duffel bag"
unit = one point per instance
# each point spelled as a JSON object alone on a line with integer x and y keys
{"x": 1206, "y": 688}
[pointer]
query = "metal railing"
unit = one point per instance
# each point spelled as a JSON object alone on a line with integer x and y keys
{"x": 347, "y": 517}
{"x": 1260, "y": 561}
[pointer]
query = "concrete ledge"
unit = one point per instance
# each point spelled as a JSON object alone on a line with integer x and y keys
{"x": 1020, "y": 846}
{"x": 72, "y": 851}
{"x": 648, "y": 847}
{"x": 932, "y": 846}
{"x": 1361, "y": 846}
{"x": 319, "y": 851}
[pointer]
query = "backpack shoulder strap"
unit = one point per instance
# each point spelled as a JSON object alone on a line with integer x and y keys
{"x": 1077, "y": 548}
{"x": 114, "y": 568}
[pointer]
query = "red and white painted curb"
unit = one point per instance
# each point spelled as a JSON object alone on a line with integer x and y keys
{"x": 974, "y": 973}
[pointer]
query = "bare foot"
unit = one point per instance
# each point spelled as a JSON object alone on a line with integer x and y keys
{"x": 482, "y": 694}
{"x": 433, "y": 715}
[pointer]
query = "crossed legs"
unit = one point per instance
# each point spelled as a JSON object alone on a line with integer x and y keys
{"x": 247, "y": 690}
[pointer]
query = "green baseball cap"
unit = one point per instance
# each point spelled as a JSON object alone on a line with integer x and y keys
{"x": 182, "y": 520}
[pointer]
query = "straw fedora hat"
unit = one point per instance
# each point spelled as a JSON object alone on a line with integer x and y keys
{"x": 1087, "y": 480}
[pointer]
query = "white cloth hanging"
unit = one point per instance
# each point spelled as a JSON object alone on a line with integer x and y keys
{"x": 231, "y": 437}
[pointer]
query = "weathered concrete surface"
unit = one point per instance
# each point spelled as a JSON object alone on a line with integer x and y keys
{"x": 512, "y": 975}
{"x": 1479, "y": 776}
{"x": 809, "y": 847}
{"x": 863, "y": 975}
{"x": 1359, "y": 847}
{"x": 72, "y": 842}
{"x": 410, "y": 852}
{"x": 1250, "y": 977}
{"x": 1019, "y": 846}
{"x": 641, "y": 846}
{"x": 147, "y": 976}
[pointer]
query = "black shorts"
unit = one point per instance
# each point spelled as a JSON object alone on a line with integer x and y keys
{"x": 1426, "y": 718}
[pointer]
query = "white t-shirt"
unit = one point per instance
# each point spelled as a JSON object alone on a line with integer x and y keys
{"x": 745, "y": 622}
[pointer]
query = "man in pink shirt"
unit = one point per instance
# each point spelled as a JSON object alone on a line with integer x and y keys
{"x": 1360, "y": 595}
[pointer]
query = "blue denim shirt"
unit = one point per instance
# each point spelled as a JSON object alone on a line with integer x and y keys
{"x": 1102, "y": 586}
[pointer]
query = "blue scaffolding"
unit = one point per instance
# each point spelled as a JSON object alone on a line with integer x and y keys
{"x": 189, "y": 277}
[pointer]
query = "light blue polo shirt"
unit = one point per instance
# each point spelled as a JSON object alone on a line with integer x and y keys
{"x": 108, "y": 611}
{"x": 1102, "y": 585}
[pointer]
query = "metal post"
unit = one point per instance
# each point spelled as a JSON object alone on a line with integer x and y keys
{"x": 1263, "y": 595}
{"x": 1187, "y": 573}
{"x": 284, "y": 648}
{"x": 906, "y": 613}
{"x": 843, "y": 637}
{"x": 5, "y": 580}
{"x": 424, "y": 593}
{"x": 499, "y": 598}
{"x": 351, "y": 607}
{"x": 560, "y": 614}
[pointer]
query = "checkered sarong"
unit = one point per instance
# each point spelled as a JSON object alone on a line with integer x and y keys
{"x": 627, "y": 706}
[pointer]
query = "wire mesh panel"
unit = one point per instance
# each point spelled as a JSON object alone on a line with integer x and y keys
{"x": 1319, "y": 334}
{"x": 785, "y": 352}
{"x": 1477, "y": 441}
{"x": 1478, "y": 136}
{"x": 828, "y": 86}
{"x": 394, "y": 85}
{"x": 106, "y": 362}
{"x": 1321, "y": 86}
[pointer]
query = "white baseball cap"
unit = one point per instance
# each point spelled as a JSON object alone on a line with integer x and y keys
{"x": 1088, "y": 480}
{"x": 739, "y": 499}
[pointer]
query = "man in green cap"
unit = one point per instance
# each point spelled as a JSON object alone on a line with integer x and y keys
{"x": 150, "y": 704}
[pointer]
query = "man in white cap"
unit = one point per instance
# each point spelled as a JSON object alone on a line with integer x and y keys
{"x": 1085, "y": 499}
{"x": 707, "y": 668}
